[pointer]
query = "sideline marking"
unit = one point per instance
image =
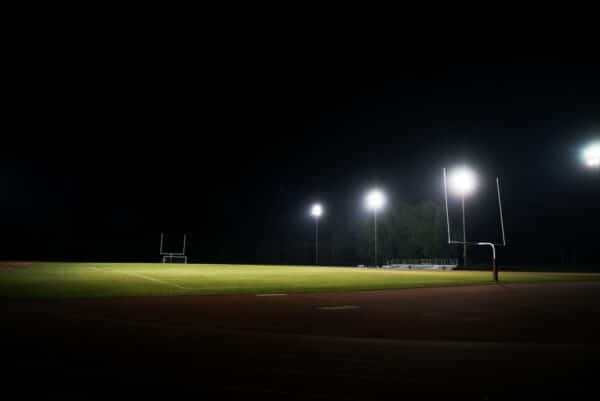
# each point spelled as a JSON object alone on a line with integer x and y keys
{"x": 142, "y": 276}
{"x": 153, "y": 279}
{"x": 274, "y": 294}
{"x": 337, "y": 307}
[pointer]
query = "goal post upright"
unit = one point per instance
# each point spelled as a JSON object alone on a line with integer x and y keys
{"x": 500, "y": 209}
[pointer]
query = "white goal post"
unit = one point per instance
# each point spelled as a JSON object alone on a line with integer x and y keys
{"x": 479, "y": 243}
{"x": 173, "y": 257}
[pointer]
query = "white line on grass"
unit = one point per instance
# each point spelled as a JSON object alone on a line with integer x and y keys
{"x": 144, "y": 277}
{"x": 271, "y": 295}
{"x": 153, "y": 279}
{"x": 337, "y": 307}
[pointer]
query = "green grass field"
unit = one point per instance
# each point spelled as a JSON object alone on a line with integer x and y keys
{"x": 90, "y": 280}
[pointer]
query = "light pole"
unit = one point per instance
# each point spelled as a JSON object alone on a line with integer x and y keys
{"x": 316, "y": 211}
{"x": 463, "y": 183}
{"x": 591, "y": 155}
{"x": 374, "y": 201}
{"x": 464, "y": 225}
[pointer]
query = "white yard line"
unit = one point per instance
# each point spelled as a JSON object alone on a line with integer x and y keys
{"x": 153, "y": 279}
{"x": 337, "y": 307}
{"x": 273, "y": 294}
{"x": 143, "y": 277}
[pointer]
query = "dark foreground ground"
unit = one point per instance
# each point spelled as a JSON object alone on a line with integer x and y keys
{"x": 526, "y": 341}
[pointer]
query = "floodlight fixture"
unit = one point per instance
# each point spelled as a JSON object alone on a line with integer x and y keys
{"x": 591, "y": 155}
{"x": 316, "y": 210}
{"x": 375, "y": 200}
{"x": 462, "y": 180}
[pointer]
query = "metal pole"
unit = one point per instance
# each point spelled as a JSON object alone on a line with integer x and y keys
{"x": 446, "y": 203}
{"x": 375, "y": 234}
{"x": 464, "y": 232}
{"x": 494, "y": 266}
{"x": 161, "y": 247}
{"x": 317, "y": 241}
{"x": 500, "y": 207}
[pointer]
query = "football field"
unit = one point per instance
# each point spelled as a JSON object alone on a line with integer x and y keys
{"x": 92, "y": 280}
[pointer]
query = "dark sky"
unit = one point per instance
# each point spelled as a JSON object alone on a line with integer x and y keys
{"x": 105, "y": 150}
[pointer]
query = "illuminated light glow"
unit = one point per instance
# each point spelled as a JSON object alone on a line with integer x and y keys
{"x": 316, "y": 210}
{"x": 591, "y": 155}
{"x": 375, "y": 200}
{"x": 462, "y": 181}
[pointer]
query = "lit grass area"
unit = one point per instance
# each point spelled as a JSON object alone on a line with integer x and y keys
{"x": 90, "y": 280}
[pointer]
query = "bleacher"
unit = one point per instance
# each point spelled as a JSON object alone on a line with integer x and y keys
{"x": 422, "y": 264}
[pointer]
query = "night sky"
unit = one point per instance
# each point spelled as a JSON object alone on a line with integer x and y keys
{"x": 105, "y": 151}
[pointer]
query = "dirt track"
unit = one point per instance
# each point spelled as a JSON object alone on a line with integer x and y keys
{"x": 14, "y": 265}
{"x": 490, "y": 342}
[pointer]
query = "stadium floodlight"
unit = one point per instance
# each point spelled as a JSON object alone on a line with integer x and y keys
{"x": 463, "y": 181}
{"x": 374, "y": 201}
{"x": 591, "y": 155}
{"x": 316, "y": 211}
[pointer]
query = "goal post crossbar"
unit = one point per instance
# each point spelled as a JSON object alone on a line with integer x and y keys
{"x": 167, "y": 258}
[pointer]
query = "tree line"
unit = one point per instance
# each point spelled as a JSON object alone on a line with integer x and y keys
{"x": 404, "y": 231}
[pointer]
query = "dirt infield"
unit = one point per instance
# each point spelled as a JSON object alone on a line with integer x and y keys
{"x": 526, "y": 341}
